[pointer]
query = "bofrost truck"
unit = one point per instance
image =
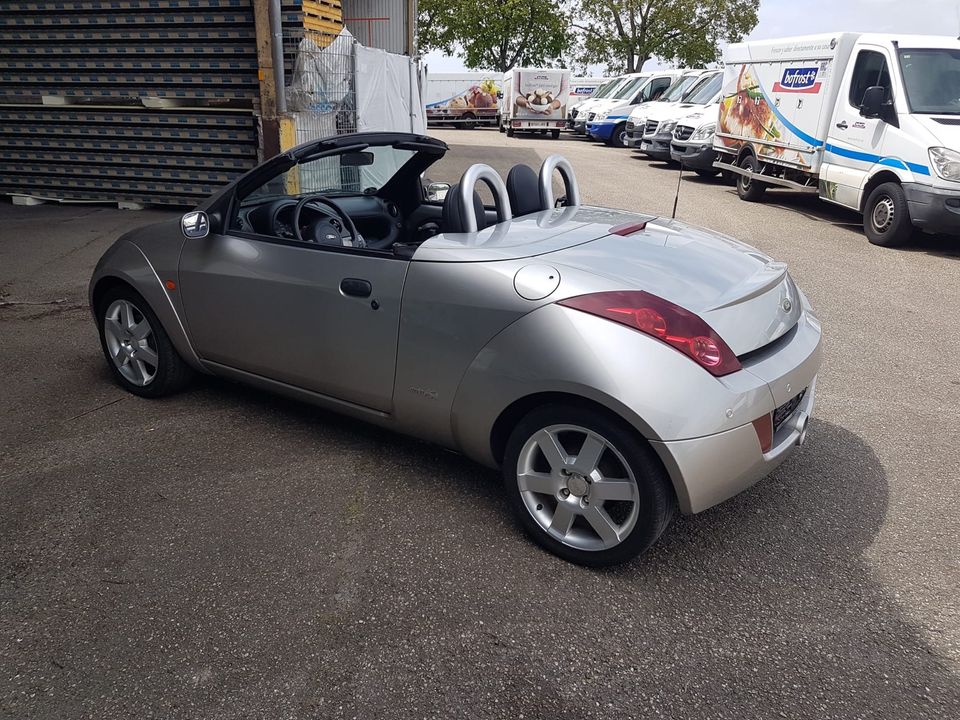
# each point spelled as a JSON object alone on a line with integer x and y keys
{"x": 535, "y": 100}
{"x": 870, "y": 122}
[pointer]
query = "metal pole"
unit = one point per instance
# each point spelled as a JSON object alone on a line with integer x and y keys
{"x": 276, "y": 29}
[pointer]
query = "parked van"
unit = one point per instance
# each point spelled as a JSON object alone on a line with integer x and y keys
{"x": 535, "y": 100}
{"x": 608, "y": 121}
{"x": 685, "y": 85}
{"x": 660, "y": 123}
{"x": 870, "y": 122}
{"x": 461, "y": 99}
{"x": 577, "y": 119}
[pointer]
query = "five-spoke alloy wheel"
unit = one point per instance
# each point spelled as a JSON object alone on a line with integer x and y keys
{"x": 137, "y": 348}
{"x": 586, "y": 486}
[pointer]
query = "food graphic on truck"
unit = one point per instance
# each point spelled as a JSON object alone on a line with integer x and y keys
{"x": 463, "y": 98}
{"x": 540, "y": 94}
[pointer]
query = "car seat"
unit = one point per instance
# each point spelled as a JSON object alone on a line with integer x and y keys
{"x": 523, "y": 189}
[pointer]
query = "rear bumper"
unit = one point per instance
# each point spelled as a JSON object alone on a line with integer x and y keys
{"x": 696, "y": 156}
{"x": 933, "y": 209}
{"x": 707, "y": 470}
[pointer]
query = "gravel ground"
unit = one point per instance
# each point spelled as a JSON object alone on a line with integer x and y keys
{"x": 228, "y": 554}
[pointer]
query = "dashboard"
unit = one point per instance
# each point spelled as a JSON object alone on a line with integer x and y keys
{"x": 377, "y": 220}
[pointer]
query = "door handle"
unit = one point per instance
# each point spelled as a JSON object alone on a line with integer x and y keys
{"x": 842, "y": 124}
{"x": 355, "y": 287}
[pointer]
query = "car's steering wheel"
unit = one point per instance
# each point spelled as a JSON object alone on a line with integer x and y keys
{"x": 325, "y": 231}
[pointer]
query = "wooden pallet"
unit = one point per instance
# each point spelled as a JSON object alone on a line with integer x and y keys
{"x": 323, "y": 16}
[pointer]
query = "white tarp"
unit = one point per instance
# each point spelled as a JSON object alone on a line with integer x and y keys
{"x": 387, "y": 89}
{"x": 388, "y": 92}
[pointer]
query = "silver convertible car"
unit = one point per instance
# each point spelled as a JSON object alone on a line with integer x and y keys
{"x": 615, "y": 366}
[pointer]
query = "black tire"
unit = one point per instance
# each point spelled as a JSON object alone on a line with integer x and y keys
{"x": 618, "y": 136}
{"x": 501, "y": 128}
{"x": 750, "y": 189}
{"x": 706, "y": 173}
{"x": 555, "y": 134}
{"x": 172, "y": 374}
{"x": 886, "y": 216}
{"x": 510, "y": 132}
{"x": 468, "y": 121}
{"x": 728, "y": 177}
{"x": 656, "y": 504}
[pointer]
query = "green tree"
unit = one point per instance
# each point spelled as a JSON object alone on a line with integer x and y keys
{"x": 494, "y": 36}
{"x": 624, "y": 34}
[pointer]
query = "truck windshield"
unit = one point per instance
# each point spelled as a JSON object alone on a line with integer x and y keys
{"x": 630, "y": 88}
{"x": 676, "y": 91}
{"x": 932, "y": 80}
{"x": 706, "y": 91}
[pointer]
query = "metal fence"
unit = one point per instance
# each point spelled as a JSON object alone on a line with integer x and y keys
{"x": 321, "y": 83}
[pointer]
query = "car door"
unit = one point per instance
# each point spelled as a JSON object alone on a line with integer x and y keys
{"x": 854, "y": 143}
{"x": 319, "y": 318}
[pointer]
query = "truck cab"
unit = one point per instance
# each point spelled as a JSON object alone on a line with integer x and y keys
{"x": 867, "y": 121}
{"x": 609, "y": 119}
{"x": 657, "y": 129}
{"x": 676, "y": 93}
{"x": 577, "y": 119}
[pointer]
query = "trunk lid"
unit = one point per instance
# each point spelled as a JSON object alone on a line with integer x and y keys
{"x": 746, "y": 296}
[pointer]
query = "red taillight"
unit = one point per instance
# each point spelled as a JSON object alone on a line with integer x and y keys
{"x": 663, "y": 320}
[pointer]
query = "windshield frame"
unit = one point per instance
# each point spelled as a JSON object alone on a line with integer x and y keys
{"x": 906, "y": 86}
{"x": 606, "y": 88}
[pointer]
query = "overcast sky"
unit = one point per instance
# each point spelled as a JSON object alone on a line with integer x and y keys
{"x": 782, "y": 18}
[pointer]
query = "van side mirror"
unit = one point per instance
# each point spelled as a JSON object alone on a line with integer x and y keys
{"x": 195, "y": 225}
{"x": 873, "y": 101}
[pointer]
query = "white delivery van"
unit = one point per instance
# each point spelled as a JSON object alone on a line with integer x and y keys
{"x": 535, "y": 100}
{"x": 461, "y": 99}
{"x": 609, "y": 121}
{"x": 577, "y": 118}
{"x": 685, "y": 85}
{"x": 870, "y": 122}
{"x": 660, "y": 123}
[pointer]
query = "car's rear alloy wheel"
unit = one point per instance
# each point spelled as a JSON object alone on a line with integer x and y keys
{"x": 135, "y": 344}
{"x": 585, "y": 487}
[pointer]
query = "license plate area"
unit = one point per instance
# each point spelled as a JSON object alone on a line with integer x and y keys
{"x": 786, "y": 411}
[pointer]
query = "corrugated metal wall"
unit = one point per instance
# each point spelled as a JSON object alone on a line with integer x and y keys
{"x": 101, "y": 61}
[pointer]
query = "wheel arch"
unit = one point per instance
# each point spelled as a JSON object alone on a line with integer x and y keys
{"x": 874, "y": 181}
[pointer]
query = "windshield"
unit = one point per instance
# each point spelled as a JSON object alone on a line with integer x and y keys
{"x": 346, "y": 173}
{"x": 932, "y": 80}
{"x": 607, "y": 88}
{"x": 706, "y": 91}
{"x": 630, "y": 88}
{"x": 677, "y": 90}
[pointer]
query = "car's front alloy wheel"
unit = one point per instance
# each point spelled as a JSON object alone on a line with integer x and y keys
{"x": 140, "y": 354}
{"x": 585, "y": 487}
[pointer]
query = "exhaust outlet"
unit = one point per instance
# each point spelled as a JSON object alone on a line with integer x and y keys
{"x": 802, "y": 422}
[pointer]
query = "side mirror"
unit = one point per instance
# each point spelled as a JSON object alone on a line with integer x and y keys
{"x": 874, "y": 98}
{"x": 195, "y": 225}
{"x": 437, "y": 191}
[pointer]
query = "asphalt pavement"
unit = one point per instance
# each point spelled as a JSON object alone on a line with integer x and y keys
{"x": 228, "y": 554}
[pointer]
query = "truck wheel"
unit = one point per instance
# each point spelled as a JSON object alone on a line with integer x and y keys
{"x": 509, "y": 132}
{"x": 886, "y": 217}
{"x": 555, "y": 134}
{"x": 501, "y": 128}
{"x": 618, "y": 138}
{"x": 747, "y": 188}
{"x": 468, "y": 121}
